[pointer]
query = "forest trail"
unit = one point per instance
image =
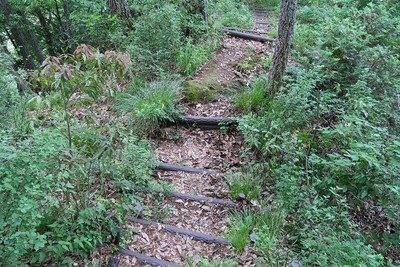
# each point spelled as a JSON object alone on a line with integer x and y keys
{"x": 201, "y": 225}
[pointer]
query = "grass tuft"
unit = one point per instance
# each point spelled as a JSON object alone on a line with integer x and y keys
{"x": 250, "y": 99}
{"x": 146, "y": 105}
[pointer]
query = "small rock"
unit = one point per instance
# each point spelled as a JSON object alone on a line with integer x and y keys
{"x": 253, "y": 237}
{"x": 295, "y": 264}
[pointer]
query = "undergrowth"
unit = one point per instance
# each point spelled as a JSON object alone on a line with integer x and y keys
{"x": 329, "y": 137}
{"x": 60, "y": 164}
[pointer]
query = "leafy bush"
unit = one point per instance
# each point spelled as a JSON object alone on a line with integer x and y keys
{"x": 57, "y": 177}
{"x": 52, "y": 204}
{"x": 88, "y": 70}
{"x": 9, "y": 95}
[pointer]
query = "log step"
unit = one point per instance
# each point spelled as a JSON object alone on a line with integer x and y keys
{"x": 206, "y": 122}
{"x": 176, "y": 230}
{"x": 249, "y": 36}
{"x": 147, "y": 259}
{"x": 245, "y": 30}
{"x": 180, "y": 168}
{"x": 223, "y": 202}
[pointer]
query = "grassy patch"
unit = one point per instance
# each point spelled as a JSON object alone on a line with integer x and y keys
{"x": 261, "y": 226}
{"x": 192, "y": 55}
{"x": 145, "y": 106}
{"x": 248, "y": 63}
{"x": 268, "y": 4}
{"x": 249, "y": 99}
{"x": 243, "y": 183}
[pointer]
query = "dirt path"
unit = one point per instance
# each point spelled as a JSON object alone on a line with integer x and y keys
{"x": 204, "y": 149}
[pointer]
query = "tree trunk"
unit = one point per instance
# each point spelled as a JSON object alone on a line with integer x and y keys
{"x": 119, "y": 8}
{"x": 33, "y": 40}
{"x": 46, "y": 32}
{"x": 282, "y": 45}
{"x": 67, "y": 18}
{"x": 19, "y": 38}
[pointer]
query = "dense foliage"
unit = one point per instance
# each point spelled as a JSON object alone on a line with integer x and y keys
{"x": 331, "y": 135}
{"x": 82, "y": 87}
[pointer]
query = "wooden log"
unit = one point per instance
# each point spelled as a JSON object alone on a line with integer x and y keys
{"x": 196, "y": 198}
{"x": 179, "y": 168}
{"x": 175, "y": 230}
{"x": 207, "y": 122}
{"x": 223, "y": 202}
{"x": 248, "y": 36}
{"x": 245, "y": 30}
{"x": 261, "y": 10}
{"x": 147, "y": 259}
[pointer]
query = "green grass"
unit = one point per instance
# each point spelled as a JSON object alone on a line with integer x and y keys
{"x": 191, "y": 56}
{"x": 243, "y": 183}
{"x": 268, "y": 4}
{"x": 146, "y": 105}
{"x": 264, "y": 225}
{"x": 250, "y": 99}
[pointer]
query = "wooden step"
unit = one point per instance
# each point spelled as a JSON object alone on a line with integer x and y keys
{"x": 180, "y": 168}
{"x": 147, "y": 259}
{"x": 249, "y": 36}
{"x": 245, "y": 30}
{"x": 176, "y": 230}
{"x": 223, "y": 202}
{"x": 206, "y": 122}
{"x": 195, "y": 198}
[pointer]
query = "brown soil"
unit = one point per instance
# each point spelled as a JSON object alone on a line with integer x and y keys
{"x": 211, "y": 149}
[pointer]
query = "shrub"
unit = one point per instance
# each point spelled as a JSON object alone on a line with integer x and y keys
{"x": 54, "y": 200}
{"x": 9, "y": 95}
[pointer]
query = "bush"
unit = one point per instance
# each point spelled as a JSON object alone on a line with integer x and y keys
{"x": 54, "y": 200}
